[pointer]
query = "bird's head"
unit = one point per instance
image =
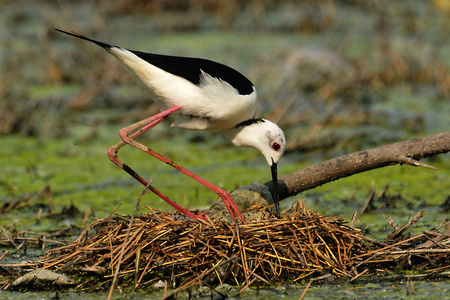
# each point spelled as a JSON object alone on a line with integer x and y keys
{"x": 268, "y": 138}
{"x": 261, "y": 134}
{"x": 273, "y": 150}
{"x": 272, "y": 142}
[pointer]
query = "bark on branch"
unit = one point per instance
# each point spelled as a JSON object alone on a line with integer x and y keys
{"x": 406, "y": 152}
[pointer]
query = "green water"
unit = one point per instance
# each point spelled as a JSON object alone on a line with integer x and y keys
{"x": 81, "y": 173}
{"x": 382, "y": 290}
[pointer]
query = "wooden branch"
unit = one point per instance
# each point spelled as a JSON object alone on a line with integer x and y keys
{"x": 406, "y": 152}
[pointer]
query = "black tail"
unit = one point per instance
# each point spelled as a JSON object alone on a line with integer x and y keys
{"x": 101, "y": 44}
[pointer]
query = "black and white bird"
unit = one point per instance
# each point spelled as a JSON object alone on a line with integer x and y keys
{"x": 205, "y": 95}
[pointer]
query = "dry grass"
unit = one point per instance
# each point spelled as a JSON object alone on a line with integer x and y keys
{"x": 300, "y": 246}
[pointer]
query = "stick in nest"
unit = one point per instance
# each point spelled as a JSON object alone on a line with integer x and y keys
{"x": 136, "y": 207}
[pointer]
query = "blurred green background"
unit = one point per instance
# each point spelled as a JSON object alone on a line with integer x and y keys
{"x": 337, "y": 76}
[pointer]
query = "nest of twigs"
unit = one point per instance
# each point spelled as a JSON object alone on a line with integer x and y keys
{"x": 299, "y": 246}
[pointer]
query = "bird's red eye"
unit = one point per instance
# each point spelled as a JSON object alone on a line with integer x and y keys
{"x": 276, "y": 146}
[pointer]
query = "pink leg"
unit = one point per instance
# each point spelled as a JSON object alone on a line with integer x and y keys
{"x": 146, "y": 125}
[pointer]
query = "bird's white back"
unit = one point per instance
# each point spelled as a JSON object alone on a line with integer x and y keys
{"x": 213, "y": 104}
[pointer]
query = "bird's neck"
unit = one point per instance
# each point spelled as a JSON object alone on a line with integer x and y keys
{"x": 230, "y": 134}
{"x": 243, "y": 135}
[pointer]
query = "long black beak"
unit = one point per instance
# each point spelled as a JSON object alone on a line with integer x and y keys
{"x": 275, "y": 195}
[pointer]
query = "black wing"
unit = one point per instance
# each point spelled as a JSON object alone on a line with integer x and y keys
{"x": 186, "y": 67}
{"x": 190, "y": 69}
{"x": 101, "y": 44}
